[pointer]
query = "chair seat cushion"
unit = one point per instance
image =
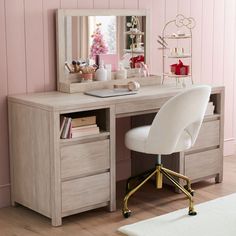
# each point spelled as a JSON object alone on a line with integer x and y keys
{"x": 135, "y": 139}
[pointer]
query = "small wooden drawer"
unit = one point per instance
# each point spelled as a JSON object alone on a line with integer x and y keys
{"x": 86, "y": 191}
{"x": 202, "y": 164}
{"x": 209, "y": 135}
{"x": 85, "y": 158}
{"x": 142, "y": 105}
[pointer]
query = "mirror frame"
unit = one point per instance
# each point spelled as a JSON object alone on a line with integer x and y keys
{"x": 60, "y": 33}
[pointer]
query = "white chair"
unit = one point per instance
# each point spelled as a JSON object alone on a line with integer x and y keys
{"x": 174, "y": 129}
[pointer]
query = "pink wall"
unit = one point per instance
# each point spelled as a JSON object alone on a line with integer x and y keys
{"x": 27, "y": 51}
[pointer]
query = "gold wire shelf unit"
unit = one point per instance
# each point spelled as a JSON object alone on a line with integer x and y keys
{"x": 181, "y": 23}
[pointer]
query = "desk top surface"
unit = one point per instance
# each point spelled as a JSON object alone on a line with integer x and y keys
{"x": 57, "y": 101}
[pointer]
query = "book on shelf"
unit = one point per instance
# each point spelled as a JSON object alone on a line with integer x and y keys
{"x": 83, "y": 132}
{"x": 83, "y": 121}
{"x": 78, "y": 127}
{"x": 66, "y": 128}
{"x": 210, "y": 109}
{"x": 85, "y": 127}
{"x": 62, "y": 123}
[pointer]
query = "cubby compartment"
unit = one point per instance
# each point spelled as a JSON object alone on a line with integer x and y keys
{"x": 81, "y": 124}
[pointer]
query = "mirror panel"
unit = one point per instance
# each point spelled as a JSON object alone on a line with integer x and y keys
{"x": 117, "y": 36}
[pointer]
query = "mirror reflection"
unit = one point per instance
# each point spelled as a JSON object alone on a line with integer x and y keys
{"x": 116, "y": 40}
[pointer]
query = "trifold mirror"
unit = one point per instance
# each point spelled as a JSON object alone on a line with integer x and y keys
{"x": 86, "y": 38}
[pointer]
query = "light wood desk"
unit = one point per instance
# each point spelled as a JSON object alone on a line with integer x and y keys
{"x": 58, "y": 177}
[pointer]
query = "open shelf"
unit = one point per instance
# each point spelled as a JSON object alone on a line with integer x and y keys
{"x": 177, "y": 37}
{"x": 134, "y": 33}
{"x": 178, "y": 56}
{"x": 84, "y": 124}
{"x": 176, "y": 76}
{"x": 134, "y": 51}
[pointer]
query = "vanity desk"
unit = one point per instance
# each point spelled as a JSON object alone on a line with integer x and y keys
{"x": 60, "y": 177}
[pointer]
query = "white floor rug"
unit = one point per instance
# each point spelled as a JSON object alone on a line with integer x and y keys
{"x": 214, "y": 218}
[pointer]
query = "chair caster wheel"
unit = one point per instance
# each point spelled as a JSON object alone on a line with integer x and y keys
{"x": 192, "y": 213}
{"x": 126, "y": 213}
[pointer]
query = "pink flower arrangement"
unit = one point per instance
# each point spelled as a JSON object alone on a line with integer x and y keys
{"x": 99, "y": 45}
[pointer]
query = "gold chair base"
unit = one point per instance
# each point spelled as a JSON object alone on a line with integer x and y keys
{"x": 159, "y": 172}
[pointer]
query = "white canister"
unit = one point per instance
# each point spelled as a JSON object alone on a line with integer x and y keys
{"x": 101, "y": 73}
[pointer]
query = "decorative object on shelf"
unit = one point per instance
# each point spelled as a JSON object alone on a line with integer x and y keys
{"x": 184, "y": 26}
{"x": 136, "y": 60}
{"x": 85, "y": 71}
{"x": 99, "y": 45}
{"x": 88, "y": 73}
{"x": 101, "y": 73}
{"x": 74, "y": 67}
{"x": 179, "y": 69}
{"x": 131, "y": 86}
{"x": 135, "y": 34}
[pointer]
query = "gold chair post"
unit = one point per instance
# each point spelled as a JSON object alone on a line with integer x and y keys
{"x": 159, "y": 177}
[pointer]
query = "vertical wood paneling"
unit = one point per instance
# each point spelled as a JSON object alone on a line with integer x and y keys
{"x": 69, "y": 4}
{"x": 229, "y": 65}
{"x": 4, "y": 161}
{"x": 101, "y": 4}
{"x": 145, "y": 4}
{"x": 85, "y": 4}
{"x": 218, "y": 43}
{"x": 131, "y": 4}
{"x": 49, "y": 43}
{"x": 184, "y": 7}
{"x": 28, "y": 49}
{"x": 158, "y": 19}
{"x": 15, "y": 36}
{"x": 196, "y": 13}
{"x": 117, "y": 4}
{"x": 171, "y": 10}
{"x": 207, "y": 40}
{"x": 234, "y": 93}
{"x": 34, "y": 45}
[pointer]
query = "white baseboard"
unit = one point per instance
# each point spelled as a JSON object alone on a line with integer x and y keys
{"x": 5, "y": 195}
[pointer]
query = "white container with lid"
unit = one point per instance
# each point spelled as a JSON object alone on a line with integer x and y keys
{"x": 101, "y": 73}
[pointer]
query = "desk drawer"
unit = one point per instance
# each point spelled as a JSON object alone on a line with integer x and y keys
{"x": 142, "y": 105}
{"x": 85, "y": 158}
{"x": 86, "y": 191}
{"x": 209, "y": 135}
{"x": 203, "y": 164}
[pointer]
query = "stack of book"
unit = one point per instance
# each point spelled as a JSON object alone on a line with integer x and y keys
{"x": 78, "y": 127}
{"x": 210, "y": 109}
